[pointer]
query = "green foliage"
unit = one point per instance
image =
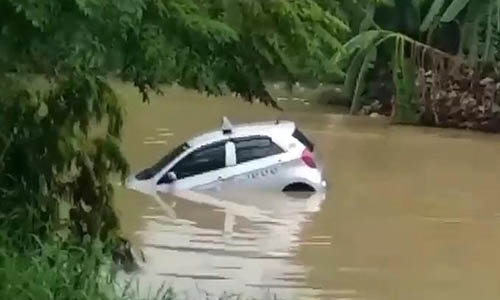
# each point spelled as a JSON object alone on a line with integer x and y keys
{"x": 364, "y": 46}
{"x": 49, "y": 157}
{"x": 53, "y": 271}
{"x": 57, "y": 269}
{"x": 477, "y": 26}
{"x": 356, "y": 75}
{"x": 481, "y": 27}
{"x": 206, "y": 45}
{"x": 403, "y": 70}
{"x": 368, "y": 63}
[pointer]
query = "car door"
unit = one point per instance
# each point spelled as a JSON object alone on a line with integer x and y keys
{"x": 257, "y": 164}
{"x": 202, "y": 166}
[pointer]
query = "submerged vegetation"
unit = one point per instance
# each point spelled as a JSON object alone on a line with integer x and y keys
{"x": 60, "y": 144}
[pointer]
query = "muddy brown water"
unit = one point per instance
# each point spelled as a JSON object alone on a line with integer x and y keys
{"x": 411, "y": 213}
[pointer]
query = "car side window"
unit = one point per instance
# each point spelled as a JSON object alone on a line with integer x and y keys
{"x": 249, "y": 149}
{"x": 205, "y": 159}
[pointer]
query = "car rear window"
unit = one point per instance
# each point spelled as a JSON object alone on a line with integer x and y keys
{"x": 254, "y": 148}
{"x": 303, "y": 139}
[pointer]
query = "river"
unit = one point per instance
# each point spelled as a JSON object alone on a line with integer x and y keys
{"x": 411, "y": 212}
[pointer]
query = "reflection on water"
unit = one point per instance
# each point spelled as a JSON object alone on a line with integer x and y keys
{"x": 414, "y": 212}
{"x": 220, "y": 243}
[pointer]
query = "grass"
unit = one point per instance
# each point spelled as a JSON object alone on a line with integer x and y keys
{"x": 56, "y": 269}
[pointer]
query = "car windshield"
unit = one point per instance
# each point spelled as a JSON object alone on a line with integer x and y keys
{"x": 157, "y": 167}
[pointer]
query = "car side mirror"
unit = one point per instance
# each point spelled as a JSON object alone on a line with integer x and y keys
{"x": 171, "y": 176}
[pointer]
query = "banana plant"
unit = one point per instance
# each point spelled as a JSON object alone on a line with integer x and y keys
{"x": 478, "y": 24}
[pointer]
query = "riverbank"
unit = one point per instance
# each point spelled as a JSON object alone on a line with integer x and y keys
{"x": 460, "y": 100}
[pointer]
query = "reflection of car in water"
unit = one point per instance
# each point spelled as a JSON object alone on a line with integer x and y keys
{"x": 265, "y": 156}
{"x": 226, "y": 241}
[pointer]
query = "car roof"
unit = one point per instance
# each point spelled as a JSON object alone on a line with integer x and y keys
{"x": 241, "y": 130}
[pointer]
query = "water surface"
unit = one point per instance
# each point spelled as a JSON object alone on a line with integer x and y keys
{"x": 411, "y": 213}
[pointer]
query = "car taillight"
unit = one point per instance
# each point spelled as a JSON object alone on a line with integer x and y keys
{"x": 308, "y": 158}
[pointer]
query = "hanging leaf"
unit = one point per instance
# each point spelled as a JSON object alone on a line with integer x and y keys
{"x": 368, "y": 63}
{"x": 498, "y": 14}
{"x": 488, "y": 51}
{"x": 363, "y": 40}
{"x": 435, "y": 9}
{"x": 454, "y": 9}
{"x": 368, "y": 22}
{"x": 352, "y": 73}
{"x": 476, "y": 12}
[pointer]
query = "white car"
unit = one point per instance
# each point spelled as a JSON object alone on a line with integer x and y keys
{"x": 273, "y": 156}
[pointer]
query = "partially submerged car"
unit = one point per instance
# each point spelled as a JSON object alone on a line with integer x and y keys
{"x": 273, "y": 156}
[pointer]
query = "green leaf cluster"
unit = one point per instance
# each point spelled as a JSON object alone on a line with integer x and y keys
{"x": 438, "y": 28}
